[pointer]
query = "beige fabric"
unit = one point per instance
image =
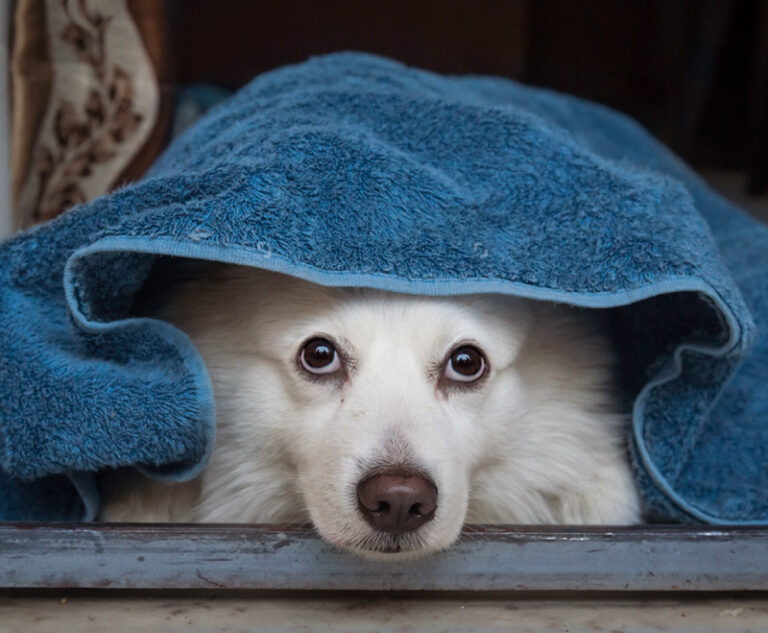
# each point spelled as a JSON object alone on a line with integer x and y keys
{"x": 31, "y": 86}
{"x": 102, "y": 106}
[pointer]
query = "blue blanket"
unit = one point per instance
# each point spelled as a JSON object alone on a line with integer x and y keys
{"x": 350, "y": 169}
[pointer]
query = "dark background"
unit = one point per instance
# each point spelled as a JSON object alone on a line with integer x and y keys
{"x": 694, "y": 72}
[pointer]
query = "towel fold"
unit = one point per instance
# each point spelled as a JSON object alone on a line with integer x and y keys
{"x": 355, "y": 170}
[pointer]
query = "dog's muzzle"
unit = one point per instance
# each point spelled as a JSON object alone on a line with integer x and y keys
{"x": 397, "y": 501}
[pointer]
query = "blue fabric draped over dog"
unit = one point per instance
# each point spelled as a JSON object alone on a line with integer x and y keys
{"x": 354, "y": 170}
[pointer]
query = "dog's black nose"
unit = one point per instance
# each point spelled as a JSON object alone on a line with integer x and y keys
{"x": 397, "y": 501}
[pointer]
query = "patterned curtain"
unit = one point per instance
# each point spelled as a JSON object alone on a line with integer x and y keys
{"x": 90, "y": 99}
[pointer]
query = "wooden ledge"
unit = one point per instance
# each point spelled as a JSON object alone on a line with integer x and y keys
{"x": 486, "y": 558}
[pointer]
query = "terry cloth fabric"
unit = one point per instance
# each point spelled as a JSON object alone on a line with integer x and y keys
{"x": 354, "y": 170}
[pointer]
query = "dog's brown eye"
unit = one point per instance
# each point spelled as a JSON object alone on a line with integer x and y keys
{"x": 466, "y": 364}
{"x": 319, "y": 356}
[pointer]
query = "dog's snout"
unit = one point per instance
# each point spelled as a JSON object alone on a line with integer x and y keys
{"x": 397, "y": 501}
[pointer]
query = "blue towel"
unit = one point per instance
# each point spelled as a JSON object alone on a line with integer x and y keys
{"x": 350, "y": 169}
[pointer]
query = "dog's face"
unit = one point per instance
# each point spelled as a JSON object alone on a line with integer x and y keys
{"x": 389, "y": 398}
{"x": 379, "y": 415}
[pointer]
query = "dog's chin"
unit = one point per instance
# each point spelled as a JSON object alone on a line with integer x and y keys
{"x": 391, "y": 553}
{"x": 376, "y": 546}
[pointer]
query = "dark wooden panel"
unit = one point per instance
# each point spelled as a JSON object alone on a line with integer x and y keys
{"x": 232, "y": 41}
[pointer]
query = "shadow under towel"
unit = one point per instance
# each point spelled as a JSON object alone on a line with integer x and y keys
{"x": 354, "y": 170}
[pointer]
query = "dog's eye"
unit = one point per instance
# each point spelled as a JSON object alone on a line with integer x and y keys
{"x": 466, "y": 364}
{"x": 319, "y": 356}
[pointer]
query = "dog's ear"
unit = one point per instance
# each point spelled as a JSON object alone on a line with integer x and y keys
{"x": 166, "y": 275}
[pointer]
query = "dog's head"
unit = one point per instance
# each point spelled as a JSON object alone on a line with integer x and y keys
{"x": 378, "y": 414}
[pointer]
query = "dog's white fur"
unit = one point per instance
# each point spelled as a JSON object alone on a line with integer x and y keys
{"x": 538, "y": 440}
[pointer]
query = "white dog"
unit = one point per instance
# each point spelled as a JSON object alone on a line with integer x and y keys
{"x": 392, "y": 420}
